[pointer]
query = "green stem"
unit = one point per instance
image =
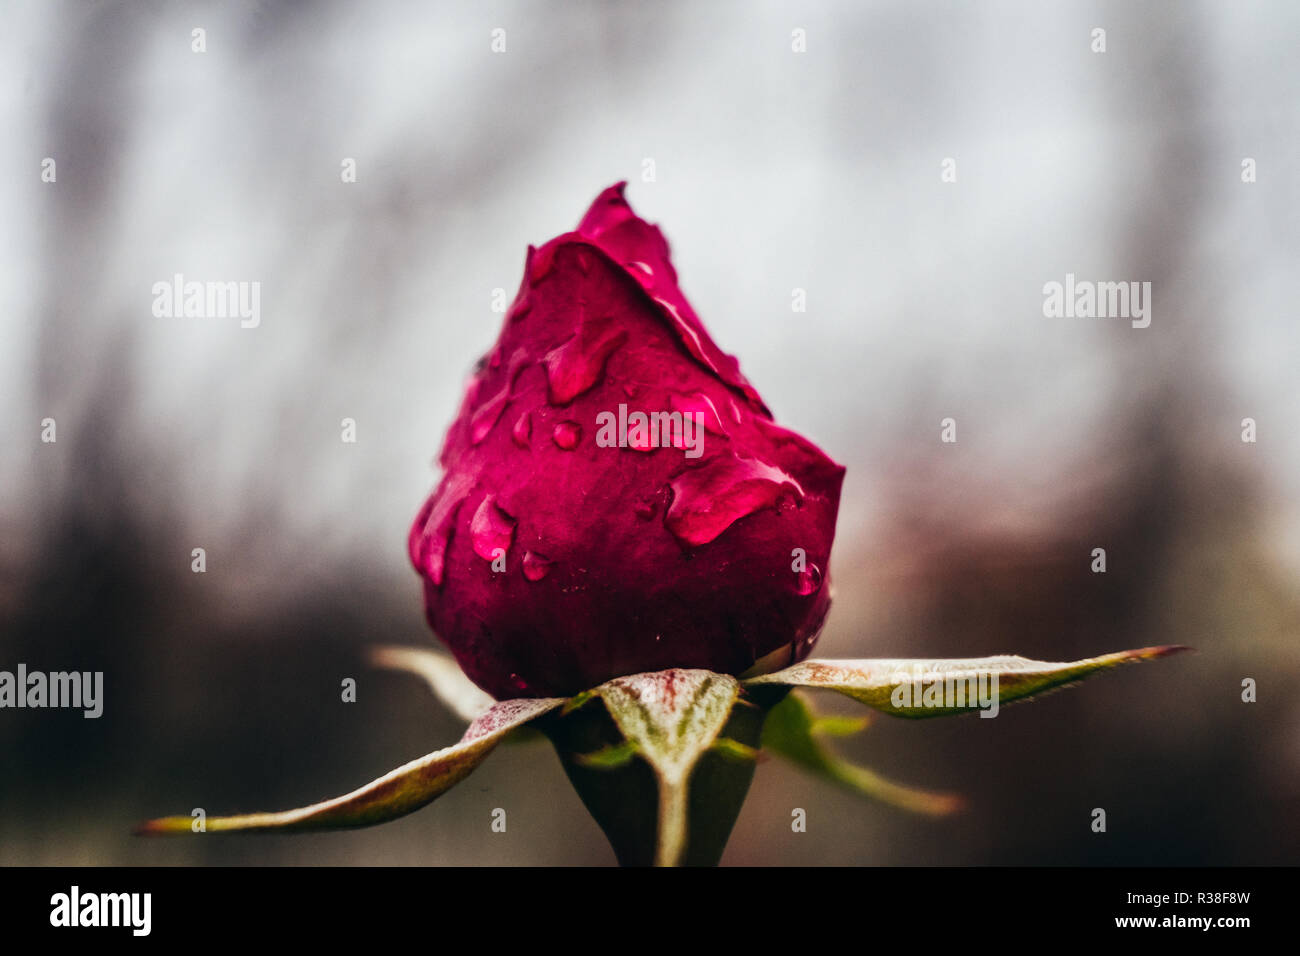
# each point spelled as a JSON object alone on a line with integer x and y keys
{"x": 672, "y": 822}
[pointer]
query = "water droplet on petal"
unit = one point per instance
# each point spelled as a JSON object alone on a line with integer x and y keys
{"x": 809, "y": 580}
{"x": 522, "y": 433}
{"x": 486, "y": 415}
{"x": 577, "y": 364}
{"x": 639, "y": 437}
{"x": 491, "y": 529}
{"x": 519, "y": 361}
{"x": 697, "y": 403}
{"x": 643, "y": 274}
{"x": 798, "y": 455}
{"x": 431, "y": 532}
{"x": 477, "y": 382}
{"x": 710, "y": 499}
{"x": 536, "y": 566}
{"x": 646, "y": 508}
{"x": 809, "y": 633}
{"x": 567, "y": 435}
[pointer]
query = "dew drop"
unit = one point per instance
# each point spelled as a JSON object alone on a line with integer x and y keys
{"x": 643, "y": 274}
{"x": 566, "y": 435}
{"x": 710, "y": 499}
{"x": 577, "y": 364}
{"x": 477, "y": 381}
{"x": 808, "y": 581}
{"x": 486, "y": 415}
{"x": 646, "y": 508}
{"x": 697, "y": 403}
{"x": 491, "y": 529}
{"x": 431, "y": 532}
{"x": 638, "y": 433}
{"x": 518, "y": 362}
{"x": 808, "y": 635}
{"x": 536, "y": 566}
{"x": 522, "y": 433}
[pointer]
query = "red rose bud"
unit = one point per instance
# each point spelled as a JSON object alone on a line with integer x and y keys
{"x": 616, "y": 496}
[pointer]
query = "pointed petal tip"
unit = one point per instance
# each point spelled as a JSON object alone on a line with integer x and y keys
{"x": 1158, "y": 650}
{"x": 163, "y": 826}
{"x": 945, "y": 804}
{"x": 612, "y": 195}
{"x": 607, "y": 210}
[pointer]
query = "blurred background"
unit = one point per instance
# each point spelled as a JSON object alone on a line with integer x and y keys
{"x": 773, "y": 170}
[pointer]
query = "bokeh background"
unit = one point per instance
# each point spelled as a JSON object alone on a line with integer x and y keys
{"x": 774, "y": 170}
